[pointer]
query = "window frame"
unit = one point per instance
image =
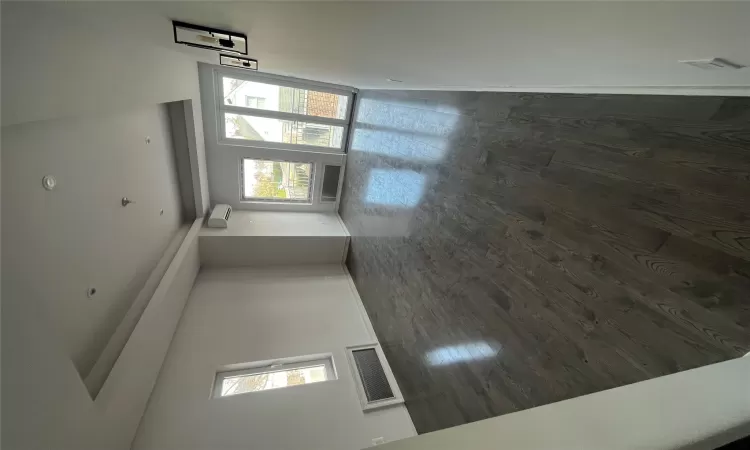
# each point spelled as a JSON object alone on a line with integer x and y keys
{"x": 222, "y": 109}
{"x": 279, "y": 365}
{"x": 223, "y": 158}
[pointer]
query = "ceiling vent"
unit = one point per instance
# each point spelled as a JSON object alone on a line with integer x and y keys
{"x": 712, "y": 64}
{"x": 374, "y": 380}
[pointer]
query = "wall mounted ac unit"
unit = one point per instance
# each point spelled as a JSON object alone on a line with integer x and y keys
{"x": 220, "y": 216}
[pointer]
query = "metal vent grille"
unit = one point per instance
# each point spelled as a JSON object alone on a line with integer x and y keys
{"x": 331, "y": 176}
{"x": 374, "y": 380}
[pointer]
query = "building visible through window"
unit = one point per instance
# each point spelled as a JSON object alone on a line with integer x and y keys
{"x": 272, "y": 380}
{"x": 308, "y": 105}
{"x": 255, "y": 102}
{"x": 274, "y": 181}
{"x": 288, "y": 130}
{"x": 279, "y": 374}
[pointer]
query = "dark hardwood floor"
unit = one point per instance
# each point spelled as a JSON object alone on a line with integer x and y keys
{"x": 514, "y": 250}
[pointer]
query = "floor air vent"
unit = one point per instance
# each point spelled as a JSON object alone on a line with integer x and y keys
{"x": 375, "y": 383}
{"x": 372, "y": 375}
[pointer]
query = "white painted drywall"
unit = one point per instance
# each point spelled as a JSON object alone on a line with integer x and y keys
{"x": 196, "y": 148}
{"x": 78, "y": 236}
{"x": 45, "y": 404}
{"x": 178, "y": 124}
{"x": 263, "y": 251}
{"x": 244, "y": 315}
{"x": 108, "y": 357}
{"x": 699, "y": 409}
{"x": 621, "y": 46}
{"x": 63, "y": 60}
{"x": 265, "y": 238}
{"x": 67, "y": 63}
{"x": 68, "y": 59}
{"x": 276, "y": 223}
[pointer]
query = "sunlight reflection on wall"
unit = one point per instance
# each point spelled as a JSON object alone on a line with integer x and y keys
{"x": 472, "y": 351}
{"x": 402, "y": 131}
{"x": 392, "y": 187}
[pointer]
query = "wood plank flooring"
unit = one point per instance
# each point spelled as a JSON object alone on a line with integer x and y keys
{"x": 514, "y": 250}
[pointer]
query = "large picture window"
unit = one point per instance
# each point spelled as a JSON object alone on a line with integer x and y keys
{"x": 283, "y": 114}
{"x": 284, "y": 138}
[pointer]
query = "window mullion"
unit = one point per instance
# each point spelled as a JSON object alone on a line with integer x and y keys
{"x": 280, "y": 80}
{"x": 282, "y": 115}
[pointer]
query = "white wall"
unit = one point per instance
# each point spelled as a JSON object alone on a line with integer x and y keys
{"x": 245, "y": 315}
{"x": 45, "y": 404}
{"x": 63, "y": 60}
{"x": 602, "y": 46}
{"x": 66, "y": 64}
{"x": 60, "y": 243}
{"x": 263, "y": 238}
{"x": 67, "y": 59}
{"x": 699, "y": 409}
{"x": 278, "y": 223}
{"x": 181, "y": 145}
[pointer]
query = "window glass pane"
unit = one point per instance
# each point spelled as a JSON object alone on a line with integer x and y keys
{"x": 272, "y": 380}
{"x": 276, "y": 130}
{"x": 276, "y": 181}
{"x": 284, "y": 99}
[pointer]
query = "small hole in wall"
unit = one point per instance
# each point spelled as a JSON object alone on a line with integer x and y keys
{"x": 161, "y": 212}
{"x": 91, "y": 292}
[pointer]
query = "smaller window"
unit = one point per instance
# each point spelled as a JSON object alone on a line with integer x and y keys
{"x": 294, "y": 100}
{"x": 269, "y": 129}
{"x": 276, "y": 181}
{"x": 274, "y": 375}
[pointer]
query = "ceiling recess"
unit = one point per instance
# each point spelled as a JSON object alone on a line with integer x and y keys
{"x": 209, "y": 38}
{"x": 713, "y": 64}
{"x": 236, "y": 61}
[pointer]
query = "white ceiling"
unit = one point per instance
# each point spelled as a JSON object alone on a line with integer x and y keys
{"x": 552, "y": 46}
